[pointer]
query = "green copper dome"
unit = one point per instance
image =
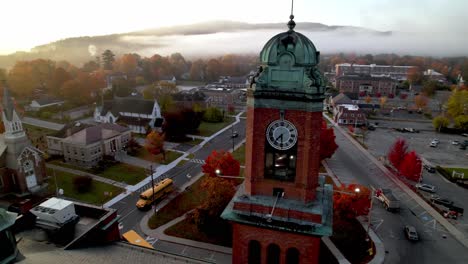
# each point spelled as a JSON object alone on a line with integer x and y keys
{"x": 302, "y": 49}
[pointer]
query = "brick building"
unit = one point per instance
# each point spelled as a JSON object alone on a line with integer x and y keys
{"x": 278, "y": 215}
{"x": 398, "y": 73}
{"x": 367, "y": 84}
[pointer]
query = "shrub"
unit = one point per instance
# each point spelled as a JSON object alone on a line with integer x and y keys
{"x": 83, "y": 184}
{"x": 213, "y": 115}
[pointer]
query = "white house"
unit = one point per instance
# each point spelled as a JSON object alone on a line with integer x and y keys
{"x": 136, "y": 113}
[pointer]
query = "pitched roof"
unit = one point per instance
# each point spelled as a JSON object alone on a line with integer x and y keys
{"x": 128, "y": 104}
{"x": 341, "y": 99}
{"x": 70, "y": 129}
{"x": 96, "y": 133}
{"x": 47, "y": 100}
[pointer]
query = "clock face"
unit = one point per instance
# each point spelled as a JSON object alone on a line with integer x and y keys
{"x": 281, "y": 134}
{"x": 28, "y": 165}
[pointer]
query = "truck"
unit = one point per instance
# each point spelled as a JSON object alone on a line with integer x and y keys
{"x": 390, "y": 202}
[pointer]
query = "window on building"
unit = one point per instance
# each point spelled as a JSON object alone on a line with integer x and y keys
{"x": 273, "y": 254}
{"x": 292, "y": 256}
{"x": 280, "y": 164}
{"x": 255, "y": 252}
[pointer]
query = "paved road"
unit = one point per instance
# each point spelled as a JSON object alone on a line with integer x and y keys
{"x": 131, "y": 217}
{"x": 352, "y": 166}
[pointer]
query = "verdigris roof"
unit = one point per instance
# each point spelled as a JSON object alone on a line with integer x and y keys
{"x": 129, "y": 105}
{"x": 7, "y": 219}
{"x": 300, "y": 46}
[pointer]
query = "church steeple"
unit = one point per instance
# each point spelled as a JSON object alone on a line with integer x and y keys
{"x": 11, "y": 120}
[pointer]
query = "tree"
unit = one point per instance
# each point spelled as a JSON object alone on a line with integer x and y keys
{"x": 154, "y": 144}
{"x": 222, "y": 161}
{"x": 411, "y": 167}
{"x": 458, "y": 103}
{"x": 429, "y": 87}
{"x": 383, "y": 101}
{"x": 133, "y": 146}
{"x": 90, "y": 66}
{"x": 197, "y": 70}
{"x": 219, "y": 193}
{"x": 420, "y": 101}
{"x": 213, "y": 69}
{"x": 82, "y": 184}
{"x": 192, "y": 119}
{"x": 328, "y": 145}
{"x": 108, "y": 59}
{"x": 397, "y": 152}
{"x": 440, "y": 122}
{"x": 127, "y": 63}
{"x": 173, "y": 126}
{"x": 415, "y": 75}
{"x": 213, "y": 115}
{"x": 350, "y": 204}
{"x": 461, "y": 122}
{"x": 368, "y": 99}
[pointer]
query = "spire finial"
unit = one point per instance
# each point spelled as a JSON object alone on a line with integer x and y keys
{"x": 291, "y": 23}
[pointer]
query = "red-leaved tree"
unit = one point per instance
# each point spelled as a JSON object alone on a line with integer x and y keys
{"x": 155, "y": 144}
{"x": 350, "y": 204}
{"x": 328, "y": 145}
{"x": 410, "y": 167}
{"x": 222, "y": 161}
{"x": 397, "y": 152}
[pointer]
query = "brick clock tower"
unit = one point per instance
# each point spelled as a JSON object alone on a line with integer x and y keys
{"x": 283, "y": 208}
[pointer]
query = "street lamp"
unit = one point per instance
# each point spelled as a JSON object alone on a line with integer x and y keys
{"x": 218, "y": 174}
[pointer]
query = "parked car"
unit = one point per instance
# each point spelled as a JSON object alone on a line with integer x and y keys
{"x": 234, "y": 134}
{"x": 411, "y": 233}
{"x": 465, "y": 134}
{"x": 411, "y": 130}
{"x": 436, "y": 140}
{"x": 463, "y": 147}
{"x": 455, "y": 142}
{"x": 441, "y": 201}
{"x": 433, "y": 144}
{"x": 429, "y": 168}
{"x": 371, "y": 127}
{"x": 426, "y": 187}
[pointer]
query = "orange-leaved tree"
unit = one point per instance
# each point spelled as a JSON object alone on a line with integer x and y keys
{"x": 222, "y": 161}
{"x": 328, "y": 145}
{"x": 410, "y": 167}
{"x": 155, "y": 143}
{"x": 347, "y": 203}
{"x": 397, "y": 152}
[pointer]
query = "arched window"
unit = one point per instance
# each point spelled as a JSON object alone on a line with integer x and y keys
{"x": 273, "y": 254}
{"x": 292, "y": 256}
{"x": 255, "y": 252}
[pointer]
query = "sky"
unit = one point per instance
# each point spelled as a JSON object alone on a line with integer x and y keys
{"x": 28, "y": 23}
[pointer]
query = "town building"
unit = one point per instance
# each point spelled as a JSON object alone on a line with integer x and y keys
{"x": 22, "y": 168}
{"x": 44, "y": 102}
{"x": 278, "y": 215}
{"x": 349, "y": 114}
{"x": 435, "y": 76}
{"x": 366, "y": 85}
{"x": 86, "y": 145}
{"x": 136, "y": 113}
{"x": 398, "y": 73}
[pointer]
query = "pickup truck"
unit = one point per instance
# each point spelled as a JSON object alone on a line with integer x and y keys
{"x": 390, "y": 202}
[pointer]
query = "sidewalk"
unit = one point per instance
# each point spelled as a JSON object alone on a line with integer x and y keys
{"x": 125, "y": 158}
{"x": 83, "y": 173}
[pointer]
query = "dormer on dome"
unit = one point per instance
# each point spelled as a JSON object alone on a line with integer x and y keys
{"x": 292, "y": 43}
{"x": 288, "y": 72}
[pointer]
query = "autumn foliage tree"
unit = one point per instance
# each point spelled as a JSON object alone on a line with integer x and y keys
{"x": 411, "y": 167}
{"x": 155, "y": 144}
{"x": 328, "y": 145}
{"x": 397, "y": 152}
{"x": 222, "y": 161}
{"x": 347, "y": 203}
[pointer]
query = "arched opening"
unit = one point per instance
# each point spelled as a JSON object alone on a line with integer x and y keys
{"x": 255, "y": 252}
{"x": 292, "y": 256}
{"x": 273, "y": 254}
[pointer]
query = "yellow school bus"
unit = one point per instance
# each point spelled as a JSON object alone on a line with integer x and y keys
{"x": 133, "y": 238}
{"x": 161, "y": 189}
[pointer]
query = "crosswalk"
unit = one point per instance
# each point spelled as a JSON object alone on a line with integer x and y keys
{"x": 151, "y": 240}
{"x": 199, "y": 161}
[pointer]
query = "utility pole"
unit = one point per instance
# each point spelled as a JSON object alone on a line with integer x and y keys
{"x": 232, "y": 136}
{"x": 152, "y": 186}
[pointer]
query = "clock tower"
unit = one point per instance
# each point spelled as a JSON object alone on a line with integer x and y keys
{"x": 283, "y": 207}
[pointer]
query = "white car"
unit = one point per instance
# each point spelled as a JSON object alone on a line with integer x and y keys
{"x": 455, "y": 142}
{"x": 433, "y": 144}
{"x": 426, "y": 187}
{"x": 436, "y": 140}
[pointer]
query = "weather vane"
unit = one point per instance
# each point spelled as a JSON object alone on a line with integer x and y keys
{"x": 291, "y": 23}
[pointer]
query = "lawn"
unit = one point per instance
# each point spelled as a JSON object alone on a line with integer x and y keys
{"x": 239, "y": 154}
{"x": 194, "y": 141}
{"x": 124, "y": 173}
{"x": 170, "y": 156}
{"x": 462, "y": 170}
{"x": 183, "y": 203}
{"x": 119, "y": 172}
{"x": 95, "y": 196}
{"x": 207, "y": 129}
